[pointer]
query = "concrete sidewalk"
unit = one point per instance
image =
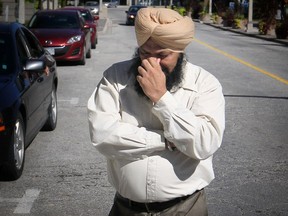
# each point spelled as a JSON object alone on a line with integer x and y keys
{"x": 251, "y": 33}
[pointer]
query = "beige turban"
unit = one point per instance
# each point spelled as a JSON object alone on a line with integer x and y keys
{"x": 164, "y": 26}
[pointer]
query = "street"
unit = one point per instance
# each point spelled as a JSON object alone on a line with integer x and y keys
{"x": 64, "y": 174}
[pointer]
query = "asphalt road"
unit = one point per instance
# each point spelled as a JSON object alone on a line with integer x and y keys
{"x": 64, "y": 175}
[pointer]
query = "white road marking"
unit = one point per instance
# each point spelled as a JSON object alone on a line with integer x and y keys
{"x": 73, "y": 101}
{"x": 26, "y": 202}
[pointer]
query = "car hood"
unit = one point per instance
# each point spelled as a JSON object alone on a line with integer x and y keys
{"x": 57, "y": 36}
{"x": 8, "y": 92}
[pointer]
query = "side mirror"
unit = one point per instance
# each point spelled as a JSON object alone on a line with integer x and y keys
{"x": 86, "y": 26}
{"x": 34, "y": 65}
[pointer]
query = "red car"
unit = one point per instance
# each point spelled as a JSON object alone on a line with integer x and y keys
{"x": 63, "y": 33}
{"x": 90, "y": 20}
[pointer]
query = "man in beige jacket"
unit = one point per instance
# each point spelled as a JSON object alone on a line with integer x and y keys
{"x": 158, "y": 120}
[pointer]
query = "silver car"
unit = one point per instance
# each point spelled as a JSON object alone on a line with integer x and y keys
{"x": 112, "y": 4}
{"x": 93, "y": 6}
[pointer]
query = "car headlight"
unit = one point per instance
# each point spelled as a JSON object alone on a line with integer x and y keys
{"x": 74, "y": 39}
{"x": 132, "y": 16}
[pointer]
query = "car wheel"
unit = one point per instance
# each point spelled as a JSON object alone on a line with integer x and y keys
{"x": 51, "y": 122}
{"x": 93, "y": 45}
{"x": 88, "y": 54}
{"x": 83, "y": 60}
{"x": 16, "y": 151}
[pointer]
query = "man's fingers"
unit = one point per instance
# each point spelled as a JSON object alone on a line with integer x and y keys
{"x": 154, "y": 62}
{"x": 146, "y": 64}
{"x": 142, "y": 72}
{"x": 151, "y": 63}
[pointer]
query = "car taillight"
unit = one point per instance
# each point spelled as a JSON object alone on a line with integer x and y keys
{"x": 2, "y": 126}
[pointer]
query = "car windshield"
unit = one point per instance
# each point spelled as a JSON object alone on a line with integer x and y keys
{"x": 5, "y": 57}
{"x": 91, "y": 4}
{"x": 52, "y": 21}
{"x": 87, "y": 16}
{"x": 134, "y": 9}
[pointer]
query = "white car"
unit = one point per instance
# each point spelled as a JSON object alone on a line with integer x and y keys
{"x": 93, "y": 6}
{"x": 111, "y": 4}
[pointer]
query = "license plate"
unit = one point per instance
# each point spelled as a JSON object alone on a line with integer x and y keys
{"x": 50, "y": 50}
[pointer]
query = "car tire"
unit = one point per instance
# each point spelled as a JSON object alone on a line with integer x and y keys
{"x": 88, "y": 54}
{"x": 83, "y": 60}
{"x": 93, "y": 45}
{"x": 16, "y": 152}
{"x": 51, "y": 122}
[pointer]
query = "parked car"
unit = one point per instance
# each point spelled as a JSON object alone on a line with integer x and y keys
{"x": 90, "y": 20}
{"x": 112, "y": 4}
{"x": 93, "y": 6}
{"x": 132, "y": 13}
{"x": 28, "y": 99}
{"x": 63, "y": 33}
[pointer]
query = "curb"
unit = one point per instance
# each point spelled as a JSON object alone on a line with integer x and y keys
{"x": 255, "y": 35}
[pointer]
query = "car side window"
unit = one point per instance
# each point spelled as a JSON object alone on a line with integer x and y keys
{"x": 81, "y": 18}
{"x": 21, "y": 47}
{"x": 4, "y": 56}
{"x": 23, "y": 55}
{"x": 35, "y": 48}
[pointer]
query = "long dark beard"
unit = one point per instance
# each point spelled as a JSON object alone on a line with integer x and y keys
{"x": 173, "y": 79}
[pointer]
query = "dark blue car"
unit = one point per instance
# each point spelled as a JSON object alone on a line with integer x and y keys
{"x": 132, "y": 13}
{"x": 28, "y": 99}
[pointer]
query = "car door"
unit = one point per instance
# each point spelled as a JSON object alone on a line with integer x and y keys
{"x": 32, "y": 83}
{"x": 86, "y": 31}
{"x": 38, "y": 52}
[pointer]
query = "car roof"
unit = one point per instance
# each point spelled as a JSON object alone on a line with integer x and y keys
{"x": 74, "y": 8}
{"x": 58, "y": 11}
{"x": 8, "y": 26}
{"x": 138, "y": 6}
{"x": 94, "y": 3}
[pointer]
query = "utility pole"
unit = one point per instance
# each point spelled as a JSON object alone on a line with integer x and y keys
{"x": 250, "y": 16}
{"x": 210, "y": 7}
{"x": 21, "y": 11}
